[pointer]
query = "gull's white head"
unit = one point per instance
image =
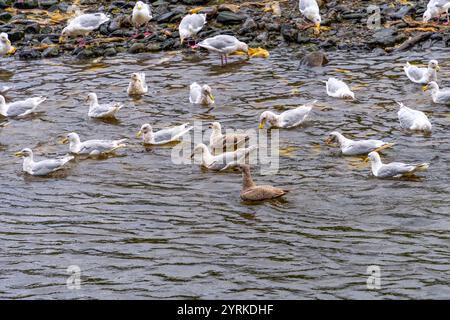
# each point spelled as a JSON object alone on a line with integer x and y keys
{"x": 65, "y": 34}
{"x": 200, "y": 149}
{"x": 71, "y": 138}
{"x": 242, "y": 46}
{"x": 266, "y": 116}
{"x": 135, "y": 77}
{"x": 433, "y": 86}
{"x": 216, "y": 126}
{"x": 434, "y": 65}
{"x": 374, "y": 157}
{"x": 4, "y": 38}
{"x": 139, "y": 5}
{"x": 25, "y": 153}
{"x": 427, "y": 16}
{"x": 184, "y": 34}
{"x": 207, "y": 92}
{"x": 91, "y": 98}
{"x": 333, "y": 137}
{"x": 145, "y": 130}
{"x": 2, "y": 100}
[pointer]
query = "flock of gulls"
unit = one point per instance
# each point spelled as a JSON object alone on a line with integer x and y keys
{"x": 216, "y": 156}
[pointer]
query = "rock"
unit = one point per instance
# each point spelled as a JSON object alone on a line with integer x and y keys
{"x": 30, "y": 4}
{"x": 5, "y": 16}
{"x": 314, "y": 59}
{"x": 168, "y": 44}
{"x": 109, "y": 52}
{"x": 165, "y": 17}
{"x": 137, "y": 47}
{"x": 229, "y": 7}
{"x": 262, "y": 37}
{"x": 226, "y": 17}
{"x": 50, "y": 52}
{"x": 209, "y": 11}
{"x": 288, "y": 32}
{"x": 32, "y": 28}
{"x": 248, "y": 26}
{"x": 47, "y": 40}
{"x": 154, "y": 47}
{"x": 27, "y": 54}
{"x": 85, "y": 53}
{"x": 16, "y": 35}
{"x": 402, "y": 12}
{"x": 48, "y": 3}
{"x": 385, "y": 37}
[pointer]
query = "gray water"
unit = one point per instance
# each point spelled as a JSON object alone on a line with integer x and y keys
{"x": 139, "y": 226}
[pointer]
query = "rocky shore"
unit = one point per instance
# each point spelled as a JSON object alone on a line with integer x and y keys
{"x": 34, "y": 26}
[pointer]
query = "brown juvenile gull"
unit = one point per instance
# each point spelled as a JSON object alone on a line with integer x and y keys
{"x": 251, "y": 192}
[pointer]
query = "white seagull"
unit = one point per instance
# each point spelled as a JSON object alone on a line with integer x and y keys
{"x": 82, "y": 26}
{"x": 137, "y": 86}
{"x": 41, "y": 168}
{"x": 222, "y": 161}
{"x": 219, "y": 141}
{"x": 438, "y": 95}
{"x": 287, "y": 119}
{"x": 422, "y": 75}
{"x": 141, "y": 15}
{"x": 435, "y": 9}
{"x": 190, "y": 25}
{"x": 310, "y": 9}
{"x": 357, "y": 147}
{"x": 163, "y": 136}
{"x": 102, "y": 110}
{"x": 92, "y": 147}
{"x": 412, "y": 119}
{"x": 5, "y": 45}
{"x": 338, "y": 89}
{"x": 224, "y": 45}
{"x": 393, "y": 169}
{"x": 201, "y": 94}
{"x": 19, "y": 108}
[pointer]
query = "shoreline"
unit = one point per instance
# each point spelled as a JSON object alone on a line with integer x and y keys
{"x": 34, "y": 28}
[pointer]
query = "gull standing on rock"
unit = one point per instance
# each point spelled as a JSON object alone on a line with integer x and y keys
{"x": 251, "y": 192}
{"x": 435, "y": 9}
{"x": 412, "y": 119}
{"x": 393, "y": 169}
{"x": 92, "y": 147}
{"x": 5, "y": 45}
{"x": 357, "y": 147}
{"x": 222, "y": 161}
{"x": 190, "y": 25}
{"x": 438, "y": 95}
{"x": 310, "y": 9}
{"x": 219, "y": 141}
{"x": 41, "y": 168}
{"x": 338, "y": 89}
{"x": 19, "y": 108}
{"x": 422, "y": 75}
{"x": 82, "y": 26}
{"x": 137, "y": 86}
{"x": 141, "y": 16}
{"x": 102, "y": 110}
{"x": 201, "y": 94}
{"x": 287, "y": 119}
{"x": 163, "y": 136}
{"x": 224, "y": 45}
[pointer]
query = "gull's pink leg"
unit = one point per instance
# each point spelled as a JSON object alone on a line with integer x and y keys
{"x": 81, "y": 42}
{"x": 147, "y": 33}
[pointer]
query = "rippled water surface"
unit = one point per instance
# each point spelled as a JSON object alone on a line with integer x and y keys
{"x": 140, "y": 226}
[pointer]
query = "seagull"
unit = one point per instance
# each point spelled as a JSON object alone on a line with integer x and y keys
{"x": 92, "y": 147}
{"x": 287, "y": 119}
{"x": 357, "y": 147}
{"x": 201, "y": 94}
{"x": 224, "y": 45}
{"x": 137, "y": 86}
{"x": 393, "y": 169}
{"x": 82, "y": 26}
{"x": 412, "y": 119}
{"x": 222, "y": 161}
{"x": 422, "y": 75}
{"x": 219, "y": 142}
{"x": 190, "y": 25}
{"x": 141, "y": 16}
{"x": 101, "y": 110}
{"x": 5, "y": 45}
{"x": 435, "y": 9}
{"x": 19, "y": 108}
{"x": 438, "y": 95}
{"x": 163, "y": 136}
{"x": 310, "y": 9}
{"x": 251, "y": 192}
{"x": 338, "y": 89}
{"x": 41, "y": 168}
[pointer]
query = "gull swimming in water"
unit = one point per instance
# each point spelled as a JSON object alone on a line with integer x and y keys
{"x": 412, "y": 119}
{"x": 19, "y": 108}
{"x": 338, "y": 89}
{"x": 224, "y": 45}
{"x": 190, "y": 25}
{"x": 251, "y": 192}
{"x": 5, "y": 45}
{"x": 287, "y": 119}
{"x": 163, "y": 136}
{"x": 422, "y": 75}
{"x": 393, "y": 169}
{"x": 92, "y": 147}
{"x": 435, "y": 9}
{"x": 41, "y": 168}
{"x": 201, "y": 94}
{"x": 219, "y": 141}
{"x": 310, "y": 9}
{"x": 222, "y": 161}
{"x": 137, "y": 86}
{"x": 102, "y": 110}
{"x": 357, "y": 147}
{"x": 141, "y": 15}
{"x": 82, "y": 26}
{"x": 438, "y": 95}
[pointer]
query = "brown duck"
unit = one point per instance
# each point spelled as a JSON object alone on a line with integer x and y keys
{"x": 252, "y": 192}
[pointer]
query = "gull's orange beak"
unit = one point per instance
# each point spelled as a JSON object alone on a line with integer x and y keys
{"x": 425, "y": 88}
{"x": 18, "y": 154}
{"x": 139, "y": 134}
{"x": 64, "y": 141}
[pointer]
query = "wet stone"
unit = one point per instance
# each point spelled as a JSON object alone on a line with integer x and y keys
{"x": 226, "y": 17}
